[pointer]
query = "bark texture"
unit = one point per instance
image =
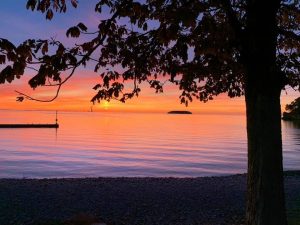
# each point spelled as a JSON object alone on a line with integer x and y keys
{"x": 265, "y": 204}
{"x": 265, "y": 191}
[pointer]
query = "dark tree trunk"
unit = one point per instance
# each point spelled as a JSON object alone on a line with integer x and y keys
{"x": 265, "y": 204}
{"x": 265, "y": 191}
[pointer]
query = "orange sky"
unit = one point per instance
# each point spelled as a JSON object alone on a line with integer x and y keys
{"x": 76, "y": 95}
{"x": 20, "y": 24}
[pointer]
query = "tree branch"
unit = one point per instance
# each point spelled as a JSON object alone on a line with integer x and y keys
{"x": 84, "y": 58}
{"x": 40, "y": 100}
{"x": 232, "y": 18}
{"x": 289, "y": 34}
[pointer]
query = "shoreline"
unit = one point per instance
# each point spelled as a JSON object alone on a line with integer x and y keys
{"x": 135, "y": 200}
{"x": 285, "y": 173}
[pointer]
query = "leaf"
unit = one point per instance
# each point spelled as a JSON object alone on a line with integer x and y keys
{"x": 74, "y": 3}
{"x": 31, "y": 4}
{"x": 7, "y": 45}
{"x": 7, "y": 74}
{"x": 49, "y": 14}
{"x": 182, "y": 100}
{"x": 73, "y": 32}
{"x": 11, "y": 56}
{"x": 116, "y": 93}
{"x": 45, "y": 48}
{"x": 18, "y": 68}
{"x": 98, "y": 7}
{"x": 106, "y": 81}
{"x": 82, "y": 27}
{"x": 97, "y": 68}
{"x": 145, "y": 26}
{"x": 60, "y": 50}
{"x": 97, "y": 86}
{"x": 2, "y": 59}
{"x": 20, "y": 99}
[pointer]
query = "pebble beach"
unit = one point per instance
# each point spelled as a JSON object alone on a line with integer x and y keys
{"x": 134, "y": 201}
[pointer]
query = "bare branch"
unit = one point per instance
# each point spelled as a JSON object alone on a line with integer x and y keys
{"x": 40, "y": 100}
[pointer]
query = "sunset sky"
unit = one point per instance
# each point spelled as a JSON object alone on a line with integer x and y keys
{"x": 18, "y": 24}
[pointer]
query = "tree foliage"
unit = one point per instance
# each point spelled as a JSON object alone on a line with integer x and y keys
{"x": 205, "y": 47}
{"x": 49, "y": 6}
{"x": 293, "y": 107}
{"x": 197, "y": 45}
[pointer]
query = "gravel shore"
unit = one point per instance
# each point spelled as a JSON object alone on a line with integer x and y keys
{"x": 134, "y": 201}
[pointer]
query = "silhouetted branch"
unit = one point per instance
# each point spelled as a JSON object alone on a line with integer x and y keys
{"x": 289, "y": 34}
{"x": 232, "y": 17}
{"x": 85, "y": 57}
{"x": 37, "y": 99}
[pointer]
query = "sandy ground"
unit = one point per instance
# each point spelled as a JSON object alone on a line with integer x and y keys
{"x": 135, "y": 201}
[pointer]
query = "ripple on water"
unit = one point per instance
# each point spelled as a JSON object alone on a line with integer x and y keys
{"x": 102, "y": 144}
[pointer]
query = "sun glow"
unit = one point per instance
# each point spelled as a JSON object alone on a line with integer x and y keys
{"x": 105, "y": 105}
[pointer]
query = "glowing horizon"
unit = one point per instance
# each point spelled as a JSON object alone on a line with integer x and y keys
{"x": 77, "y": 93}
{"x": 21, "y": 24}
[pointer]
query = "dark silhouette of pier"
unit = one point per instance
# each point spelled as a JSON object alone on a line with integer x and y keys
{"x": 54, "y": 125}
{"x": 32, "y": 125}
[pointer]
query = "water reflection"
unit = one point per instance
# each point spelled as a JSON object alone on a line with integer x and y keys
{"x": 104, "y": 144}
{"x": 291, "y": 124}
{"x": 291, "y": 144}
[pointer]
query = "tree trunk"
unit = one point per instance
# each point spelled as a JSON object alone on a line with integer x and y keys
{"x": 263, "y": 84}
{"x": 265, "y": 193}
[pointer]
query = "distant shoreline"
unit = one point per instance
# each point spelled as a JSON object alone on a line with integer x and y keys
{"x": 164, "y": 201}
{"x": 286, "y": 173}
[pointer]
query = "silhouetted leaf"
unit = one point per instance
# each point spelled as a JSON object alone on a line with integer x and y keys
{"x": 31, "y": 4}
{"x": 20, "y": 99}
{"x": 73, "y": 32}
{"x": 7, "y": 45}
{"x": 45, "y": 48}
{"x": 145, "y": 26}
{"x": 82, "y": 27}
{"x": 74, "y": 3}
{"x": 49, "y": 14}
{"x": 97, "y": 86}
{"x": 2, "y": 59}
{"x": 49, "y": 5}
{"x": 60, "y": 50}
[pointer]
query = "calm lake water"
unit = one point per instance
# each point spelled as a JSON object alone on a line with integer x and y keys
{"x": 126, "y": 144}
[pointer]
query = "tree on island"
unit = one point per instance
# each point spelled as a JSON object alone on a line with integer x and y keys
{"x": 205, "y": 47}
{"x": 292, "y": 110}
{"x": 294, "y": 106}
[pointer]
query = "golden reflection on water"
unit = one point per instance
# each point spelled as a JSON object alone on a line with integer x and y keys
{"x": 128, "y": 144}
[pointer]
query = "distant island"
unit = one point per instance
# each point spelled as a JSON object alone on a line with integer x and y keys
{"x": 179, "y": 112}
{"x": 292, "y": 111}
{"x": 290, "y": 117}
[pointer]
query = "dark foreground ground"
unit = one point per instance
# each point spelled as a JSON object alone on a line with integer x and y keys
{"x": 135, "y": 201}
